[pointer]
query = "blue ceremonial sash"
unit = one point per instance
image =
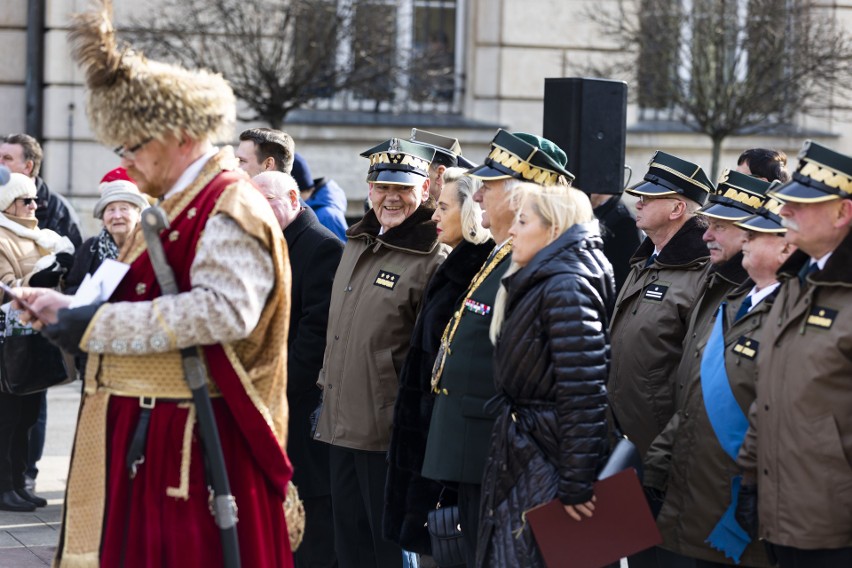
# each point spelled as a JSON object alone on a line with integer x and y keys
{"x": 729, "y": 424}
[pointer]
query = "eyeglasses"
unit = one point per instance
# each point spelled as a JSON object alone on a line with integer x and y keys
{"x": 130, "y": 153}
{"x": 646, "y": 199}
{"x": 28, "y": 200}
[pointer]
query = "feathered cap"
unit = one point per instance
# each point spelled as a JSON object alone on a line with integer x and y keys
{"x": 131, "y": 98}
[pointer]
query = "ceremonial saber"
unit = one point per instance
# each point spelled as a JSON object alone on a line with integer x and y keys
{"x": 223, "y": 506}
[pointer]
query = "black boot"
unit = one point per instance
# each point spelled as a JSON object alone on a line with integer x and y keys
{"x": 11, "y": 501}
{"x": 28, "y": 495}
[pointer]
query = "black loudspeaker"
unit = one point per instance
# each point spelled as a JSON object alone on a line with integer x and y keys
{"x": 587, "y": 118}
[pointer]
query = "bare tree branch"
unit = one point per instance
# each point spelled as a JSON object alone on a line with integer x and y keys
{"x": 729, "y": 67}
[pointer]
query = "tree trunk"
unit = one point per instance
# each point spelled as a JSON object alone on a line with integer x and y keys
{"x": 714, "y": 164}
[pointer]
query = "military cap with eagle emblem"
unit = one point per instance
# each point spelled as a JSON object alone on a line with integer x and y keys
{"x": 670, "y": 175}
{"x": 822, "y": 175}
{"x": 525, "y": 157}
{"x": 737, "y": 197}
{"x": 399, "y": 162}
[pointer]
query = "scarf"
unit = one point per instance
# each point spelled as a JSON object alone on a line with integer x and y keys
{"x": 105, "y": 247}
{"x": 44, "y": 238}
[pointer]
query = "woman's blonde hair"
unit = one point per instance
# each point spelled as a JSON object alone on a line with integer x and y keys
{"x": 471, "y": 212}
{"x": 559, "y": 207}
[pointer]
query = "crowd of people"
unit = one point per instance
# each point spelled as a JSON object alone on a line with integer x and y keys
{"x": 465, "y": 345}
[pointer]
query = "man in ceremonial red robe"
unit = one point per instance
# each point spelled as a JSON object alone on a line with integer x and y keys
{"x": 139, "y": 495}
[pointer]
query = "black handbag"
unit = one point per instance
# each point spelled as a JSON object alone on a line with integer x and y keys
{"x": 30, "y": 363}
{"x": 624, "y": 455}
{"x": 444, "y": 526}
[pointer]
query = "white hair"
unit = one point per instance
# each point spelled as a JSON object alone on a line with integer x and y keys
{"x": 278, "y": 183}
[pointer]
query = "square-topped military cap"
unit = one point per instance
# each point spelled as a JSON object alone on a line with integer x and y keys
{"x": 822, "y": 175}
{"x": 448, "y": 151}
{"x": 766, "y": 219}
{"x": 670, "y": 175}
{"x": 737, "y": 197}
{"x": 399, "y": 162}
{"x": 525, "y": 157}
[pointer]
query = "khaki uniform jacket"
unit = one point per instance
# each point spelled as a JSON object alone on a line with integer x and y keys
{"x": 699, "y": 473}
{"x": 374, "y": 303}
{"x": 799, "y": 444}
{"x": 648, "y": 329}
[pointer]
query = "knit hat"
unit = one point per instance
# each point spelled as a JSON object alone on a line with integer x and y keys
{"x": 131, "y": 99}
{"x": 19, "y": 186}
{"x": 118, "y": 186}
{"x": 302, "y": 173}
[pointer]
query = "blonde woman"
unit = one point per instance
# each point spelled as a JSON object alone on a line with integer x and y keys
{"x": 409, "y": 496}
{"x": 551, "y": 348}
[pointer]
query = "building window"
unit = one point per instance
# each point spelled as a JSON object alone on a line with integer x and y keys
{"x": 397, "y": 56}
{"x": 725, "y": 42}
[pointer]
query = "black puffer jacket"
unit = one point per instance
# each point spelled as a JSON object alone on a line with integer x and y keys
{"x": 551, "y": 365}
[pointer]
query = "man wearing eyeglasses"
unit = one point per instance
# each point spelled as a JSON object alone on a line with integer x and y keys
{"x": 388, "y": 259}
{"x": 653, "y": 308}
{"x": 138, "y": 486}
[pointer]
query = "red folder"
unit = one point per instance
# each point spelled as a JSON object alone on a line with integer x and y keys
{"x": 621, "y": 525}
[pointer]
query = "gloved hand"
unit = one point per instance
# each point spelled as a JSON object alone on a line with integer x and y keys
{"x": 655, "y": 498}
{"x": 747, "y": 509}
{"x": 47, "y": 277}
{"x": 65, "y": 260}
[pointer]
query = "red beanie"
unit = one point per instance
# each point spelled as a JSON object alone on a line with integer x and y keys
{"x": 116, "y": 174}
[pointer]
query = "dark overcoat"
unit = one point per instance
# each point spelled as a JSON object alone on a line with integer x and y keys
{"x": 408, "y": 496}
{"x": 461, "y": 427}
{"x": 314, "y": 254}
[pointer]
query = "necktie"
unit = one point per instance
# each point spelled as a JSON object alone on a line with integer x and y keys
{"x": 650, "y": 260}
{"x": 744, "y": 308}
{"x": 807, "y": 271}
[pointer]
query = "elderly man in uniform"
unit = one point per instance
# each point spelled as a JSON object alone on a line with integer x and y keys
{"x": 137, "y": 490}
{"x": 388, "y": 259}
{"x": 796, "y": 455}
{"x": 463, "y": 380}
{"x": 693, "y": 462}
{"x": 655, "y": 304}
{"x": 736, "y": 197}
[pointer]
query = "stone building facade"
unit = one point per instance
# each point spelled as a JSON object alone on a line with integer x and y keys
{"x": 502, "y": 51}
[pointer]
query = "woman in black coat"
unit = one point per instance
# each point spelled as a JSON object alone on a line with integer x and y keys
{"x": 119, "y": 207}
{"x": 408, "y": 496}
{"x": 551, "y": 354}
